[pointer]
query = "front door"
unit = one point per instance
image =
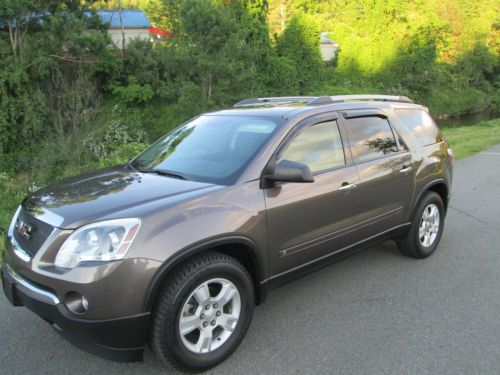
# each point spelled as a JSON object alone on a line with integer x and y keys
{"x": 310, "y": 220}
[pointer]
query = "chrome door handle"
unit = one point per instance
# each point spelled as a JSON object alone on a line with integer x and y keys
{"x": 406, "y": 170}
{"x": 347, "y": 187}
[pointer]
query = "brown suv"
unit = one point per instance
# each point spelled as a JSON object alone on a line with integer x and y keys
{"x": 177, "y": 246}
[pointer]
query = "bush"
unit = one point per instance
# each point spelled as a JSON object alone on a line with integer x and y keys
{"x": 134, "y": 92}
{"x": 299, "y": 44}
{"x": 282, "y": 76}
{"x": 479, "y": 67}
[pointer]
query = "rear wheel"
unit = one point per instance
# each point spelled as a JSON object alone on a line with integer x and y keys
{"x": 426, "y": 229}
{"x": 202, "y": 313}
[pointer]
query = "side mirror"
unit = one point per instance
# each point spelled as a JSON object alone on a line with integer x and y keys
{"x": 290, "y": 171}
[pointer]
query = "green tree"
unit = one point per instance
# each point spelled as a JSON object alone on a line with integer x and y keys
{"x": 49, "y": 76}
{"x": 300, "y": 43}
{"x": 164, "y": 13}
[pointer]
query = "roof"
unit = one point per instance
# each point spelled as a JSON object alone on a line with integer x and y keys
{"x": 324, "y": 37}
{"x": 293, "y": 106}
{"x": 319, "y": 100}
{"x": 264, "y": 111}
{"x": 131, "y": 18}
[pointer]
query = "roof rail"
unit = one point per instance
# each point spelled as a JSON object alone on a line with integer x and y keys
{"x": 274, "y": 100}
{"x": 320, "y": 100}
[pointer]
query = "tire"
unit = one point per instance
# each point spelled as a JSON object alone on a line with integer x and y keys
{"x": 413, "y": 244}
{"x": 183, "y": 299}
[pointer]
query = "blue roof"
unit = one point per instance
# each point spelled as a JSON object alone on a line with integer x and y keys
{"x": 131, "y": 18}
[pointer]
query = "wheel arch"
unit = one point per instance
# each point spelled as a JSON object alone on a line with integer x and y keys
{"x": 440, "y": 187}
{"x": 241, "y": 248}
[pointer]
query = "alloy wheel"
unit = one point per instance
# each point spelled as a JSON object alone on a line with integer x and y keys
{"x": 429, "y": 225}
{"x": 209, "y": 315}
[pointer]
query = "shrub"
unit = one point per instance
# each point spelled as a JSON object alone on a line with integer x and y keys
{"x": 134, "y": 91}
{"x": 299, "y": 43}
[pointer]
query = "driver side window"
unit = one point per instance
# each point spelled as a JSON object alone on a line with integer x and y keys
{"x": 318, "y": 146}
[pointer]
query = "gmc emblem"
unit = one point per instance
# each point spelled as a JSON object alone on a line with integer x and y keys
{"x": 23, "y": 229}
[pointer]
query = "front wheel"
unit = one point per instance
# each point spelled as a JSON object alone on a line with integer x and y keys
{"x": 202, "y": 313}
{"x": 426, "y": 229}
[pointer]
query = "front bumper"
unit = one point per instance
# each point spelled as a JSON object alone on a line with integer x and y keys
{"x": 118, "y": 339}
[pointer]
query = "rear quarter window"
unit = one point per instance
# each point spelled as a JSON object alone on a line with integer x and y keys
{"x": 421, "y": 125}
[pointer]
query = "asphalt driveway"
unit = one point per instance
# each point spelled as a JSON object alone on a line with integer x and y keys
{"x": 374, "y": 313}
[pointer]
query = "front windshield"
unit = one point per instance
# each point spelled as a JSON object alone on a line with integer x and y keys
{"x": 212, "y": 149}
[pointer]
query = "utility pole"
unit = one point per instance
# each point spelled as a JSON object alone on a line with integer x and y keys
{"x": 121, "y": 26}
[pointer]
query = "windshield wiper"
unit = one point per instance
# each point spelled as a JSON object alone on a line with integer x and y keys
{"x": 165, "y": 172}
{"x": 129, "y": 165}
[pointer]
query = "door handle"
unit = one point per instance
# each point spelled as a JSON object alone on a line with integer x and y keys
{"x": 406, "y": 169}
{"x": 346, "y": 187}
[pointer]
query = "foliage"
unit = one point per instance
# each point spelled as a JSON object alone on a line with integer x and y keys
{"x": 413, "y": 48}
{"x": 282, "y": 76}
{"x": 220, "y": 52}
{"x": 300, "y": 44}
{"x": 48, "y": 80}
{"x": 133, "y": 91}
{"x": 414, "y": 69}
{"x": 479, "y": 68}
{"x": 69, "y": 102}
{"x": 164, "y": 13}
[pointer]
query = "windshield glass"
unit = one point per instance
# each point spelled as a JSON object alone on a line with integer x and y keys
{"x": 212, "y": 149}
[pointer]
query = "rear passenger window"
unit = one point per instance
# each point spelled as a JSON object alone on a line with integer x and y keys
{"x": 372, "y": 137}
{"x": 421, "y": 125}
{"x": 318, "y": 146}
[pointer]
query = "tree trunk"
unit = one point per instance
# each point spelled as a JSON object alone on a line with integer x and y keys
{"x": 13, "y": 39}
{"x": 209, "y": 91}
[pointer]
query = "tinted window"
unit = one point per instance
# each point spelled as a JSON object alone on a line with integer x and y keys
{"x": 372, "y": 137}
{"x": 211, "y": 149}
{"x": 421, "y": 125}
{"x": 318, "y": 146}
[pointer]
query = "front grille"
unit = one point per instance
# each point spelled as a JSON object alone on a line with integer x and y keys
{"x": 38, "y": 234}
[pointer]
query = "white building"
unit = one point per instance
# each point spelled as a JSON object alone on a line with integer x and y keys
{"x": 135, "y": 25}
{"x": 329, "y": 48}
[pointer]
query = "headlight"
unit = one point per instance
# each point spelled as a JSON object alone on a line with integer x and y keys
{"x": 101, "y": 241}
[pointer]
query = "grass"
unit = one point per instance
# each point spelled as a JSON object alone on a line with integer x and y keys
{"x": 468, "y": 140}
{"x": 465, "y": 141}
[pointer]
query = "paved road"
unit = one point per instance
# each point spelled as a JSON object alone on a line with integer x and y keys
{"x": 374, "y": 313}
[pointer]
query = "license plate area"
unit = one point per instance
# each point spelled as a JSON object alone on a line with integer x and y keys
{"x": 9, "y": 288}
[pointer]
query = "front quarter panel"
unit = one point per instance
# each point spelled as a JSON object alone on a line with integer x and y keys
{"x": 236, "y": 210}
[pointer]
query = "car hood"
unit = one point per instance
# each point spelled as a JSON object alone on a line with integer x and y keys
{"x": 99, "y": 195}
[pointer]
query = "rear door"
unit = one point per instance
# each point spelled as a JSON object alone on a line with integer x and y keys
{"x": 385, "y": 168}
{"x": 310, "y": 220}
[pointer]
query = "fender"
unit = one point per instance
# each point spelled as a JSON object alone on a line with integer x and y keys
{"x": 426, "y": 188}
{"x": 198, "y": 248}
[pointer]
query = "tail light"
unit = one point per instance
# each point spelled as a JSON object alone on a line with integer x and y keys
{"x": 451, "y": 154}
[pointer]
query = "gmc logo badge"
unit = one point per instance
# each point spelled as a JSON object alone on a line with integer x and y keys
{"x": 23, "y": 229}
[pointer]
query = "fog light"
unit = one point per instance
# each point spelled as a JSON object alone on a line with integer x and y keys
{"x": 76, "y": 303}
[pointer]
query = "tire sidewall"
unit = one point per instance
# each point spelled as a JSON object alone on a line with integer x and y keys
{"x": 174, "y": 342}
